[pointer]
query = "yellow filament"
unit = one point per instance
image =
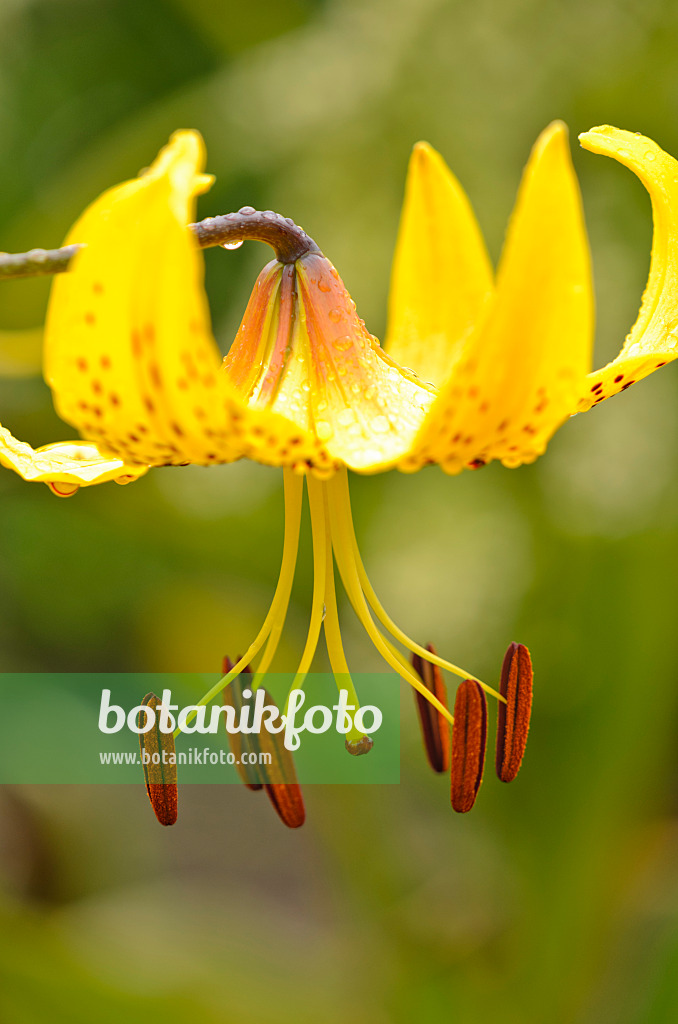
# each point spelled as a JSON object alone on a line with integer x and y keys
{"x": 316, "y": 506}
{"x": 294, "y": 486}
{"x": 335, "y": 648}
{"x": 343, "y": 550}
{"x": 294, "y": 489}
{"x": 382, "y": 614}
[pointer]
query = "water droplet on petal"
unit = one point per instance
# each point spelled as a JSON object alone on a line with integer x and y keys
{"x": 323, "y": 286}
{"x": 649, "y": 155}
{"x": 335, "y": 314}
{"x": 324, "y": 430}
{"x": 345, "y": 417}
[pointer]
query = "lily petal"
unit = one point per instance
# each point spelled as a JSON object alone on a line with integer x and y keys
{"x": 653, "y": 339}
{"x": 441, "y": 277}
{"x": 521, "y": 372}
{"x": 303, "y": 352}
{"x": 64, "y": 466}
{"x": 128, "y": 348}
{"x": 129, "y": 351}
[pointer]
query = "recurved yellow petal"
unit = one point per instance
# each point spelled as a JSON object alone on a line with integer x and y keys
{"x": 129, "y": 351}
{"x": 64, "y": 466}
{"x": 521, "y": 372}
{"x": 653, "y": 340}
{"x": 128, "y": 348}
{"x": 441, "y": 275}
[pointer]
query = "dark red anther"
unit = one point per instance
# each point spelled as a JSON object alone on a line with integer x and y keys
{"x": 160, "y": 768}
{"x": 434, "y": 727}
{"x": 513, "y": 719}
{"x": 469, "y": 742}
{"x": 274, "y": 771}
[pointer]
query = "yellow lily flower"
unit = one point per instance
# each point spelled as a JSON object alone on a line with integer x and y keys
{"x": 473, "y": 369}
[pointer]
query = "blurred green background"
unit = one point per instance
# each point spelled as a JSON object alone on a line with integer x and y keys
{"x": 556, "y": 900}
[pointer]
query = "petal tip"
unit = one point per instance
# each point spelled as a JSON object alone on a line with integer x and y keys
{"x": 556, "y": 134}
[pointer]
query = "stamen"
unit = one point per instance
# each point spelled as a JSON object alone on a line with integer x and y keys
{"x": 469, "y": 742}
{"x": 356, "y": 742}
{"x": 343, "y": 551}
{"x": 288, "y": 803}
{"x": 278, "y": 777}
{"x": 157, "y": 748}
{"x": 238, "y": 741}
{"x": 382, "y": 614}
{"x": 513, "y": 719}
{"x": 274, "y": 621}
{"x": 433, "y": 726}
{"x": 316, "y": 506}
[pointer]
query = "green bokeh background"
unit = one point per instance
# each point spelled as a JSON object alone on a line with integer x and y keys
{"x": 556, "y": 900}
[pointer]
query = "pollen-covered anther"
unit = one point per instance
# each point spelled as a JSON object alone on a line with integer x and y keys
{"x": 434, "y": 728}
{"x": 469, "y": 742}
{"x": 268, "y": 764}
{"x": 513, "y": 719}
{"x": 159, "y": 762}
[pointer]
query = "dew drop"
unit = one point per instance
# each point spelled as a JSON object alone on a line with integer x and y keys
{"x": 335, "y": 314}
{"x": 345, "y": 417}
{"x": 324, "y": 430}
{"x": 232, "y": 245}
{"x": 649, "y": 155}
{"x": 323, "y": 286}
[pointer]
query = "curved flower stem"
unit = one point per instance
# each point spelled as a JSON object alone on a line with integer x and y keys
{"x": 384, "y": 617}
{"x": 288, "y": 240}
{"x": 294, "y": 489}
{"x": 341, "y": 540}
